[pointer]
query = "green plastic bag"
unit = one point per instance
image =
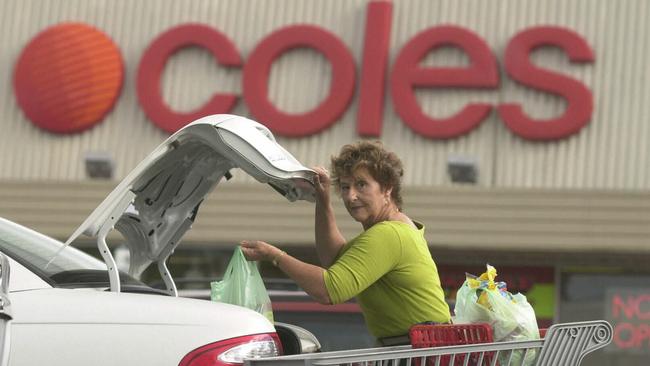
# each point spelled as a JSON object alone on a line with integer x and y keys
{"x": 242, "y": 285}
{"x": 482, "y": 300}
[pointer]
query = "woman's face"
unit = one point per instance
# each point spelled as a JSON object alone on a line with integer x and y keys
{"x": 364, "y": 198}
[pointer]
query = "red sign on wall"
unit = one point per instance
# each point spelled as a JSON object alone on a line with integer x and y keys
{"x": 404, "y": 77}
{"x": 628, "y": 310}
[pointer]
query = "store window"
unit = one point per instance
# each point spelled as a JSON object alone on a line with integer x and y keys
{"x": 619, "y": 296}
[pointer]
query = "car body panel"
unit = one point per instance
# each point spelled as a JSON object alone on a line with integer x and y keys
{"x": 60, "y": 298}
{"x": 157, "y": 202}
{"x": 74, "y": 325}
{"x": 80, "y": 326}
{"x": 323, "y": 322}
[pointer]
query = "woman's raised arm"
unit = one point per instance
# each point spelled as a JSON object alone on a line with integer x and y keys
{"x": 329, "y": 239}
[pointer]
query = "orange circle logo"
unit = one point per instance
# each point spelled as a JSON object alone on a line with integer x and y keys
{"x": 68, "y": 77}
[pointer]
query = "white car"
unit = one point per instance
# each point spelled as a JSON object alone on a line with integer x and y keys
{"x": 69, "y": 308}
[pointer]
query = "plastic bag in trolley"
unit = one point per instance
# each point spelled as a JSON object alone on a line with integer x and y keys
{"x": 481, "y": 299}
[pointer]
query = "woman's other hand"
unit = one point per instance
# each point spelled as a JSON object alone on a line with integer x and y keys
{"x": 256, "y": 250}
{"x": 322, "y": 184}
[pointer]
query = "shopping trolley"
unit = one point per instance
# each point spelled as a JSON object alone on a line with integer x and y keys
{"x": 564, "y": 344}
{"x": 441, "y": 335}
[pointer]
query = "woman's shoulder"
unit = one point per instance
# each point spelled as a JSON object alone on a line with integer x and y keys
{"x": 401, "y": 224}
{"x": 393, "y": 227}
{"x": 386, "y": 225}
{"x": 382, "y": 230}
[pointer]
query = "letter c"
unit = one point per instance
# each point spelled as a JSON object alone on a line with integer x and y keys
{"x": 153, "y": 63}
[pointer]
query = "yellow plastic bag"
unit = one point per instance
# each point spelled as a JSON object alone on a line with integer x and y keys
{"x": 481, "y": 299}
{"x": 242, "y": 285}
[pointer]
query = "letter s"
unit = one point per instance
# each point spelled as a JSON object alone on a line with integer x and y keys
{"x": 518, "y": 65}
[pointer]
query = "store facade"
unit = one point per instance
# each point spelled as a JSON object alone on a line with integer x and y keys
{"x": 523, "y": 125}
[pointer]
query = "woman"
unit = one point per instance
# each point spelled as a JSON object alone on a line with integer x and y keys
{"x": 388, "y": 266}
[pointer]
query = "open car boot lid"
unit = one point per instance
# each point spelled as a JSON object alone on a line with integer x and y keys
{"x": 158, "y": 201}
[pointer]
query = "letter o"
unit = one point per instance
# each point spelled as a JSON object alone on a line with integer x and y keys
{"x": 258, "y": 68}
{"x": 624, "y": 335}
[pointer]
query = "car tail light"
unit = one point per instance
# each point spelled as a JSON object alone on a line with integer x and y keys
{"x": 233, "y": 351}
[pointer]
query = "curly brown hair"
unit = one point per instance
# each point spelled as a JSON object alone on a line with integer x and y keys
{"x": 383, "y": 165}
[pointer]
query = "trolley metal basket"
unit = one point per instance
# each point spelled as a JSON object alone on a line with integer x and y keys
{"x": 564, "y": 345}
